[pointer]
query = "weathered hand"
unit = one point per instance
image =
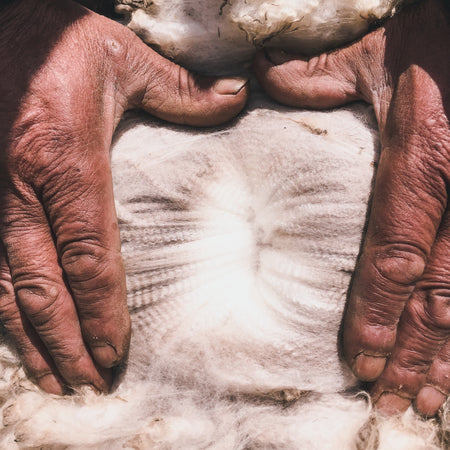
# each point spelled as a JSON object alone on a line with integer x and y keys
{"x": 66, "y": 76}
{"x": 403, "y": 69}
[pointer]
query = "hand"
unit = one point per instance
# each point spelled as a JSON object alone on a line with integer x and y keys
{"x": 402, "y": 69}
{"x": 66, "y": 77}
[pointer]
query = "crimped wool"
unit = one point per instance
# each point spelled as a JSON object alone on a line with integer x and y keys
{"x": 219, "y": 36}
{"x": 239, "y": 243}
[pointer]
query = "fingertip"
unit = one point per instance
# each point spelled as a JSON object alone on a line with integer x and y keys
{"x": 107, "y": 380}
{"x": 367, "y": 367}
{"x": 175, "y": 94}
{"x": 365, "y": 347}
{"x": 111, "y": 348}
{"x": 218, "y": 100}
{"x": 207, "y": 102}
{"x": 105, "y": 355}
{"x": 52, "y": 385}
{"x": 107, "y": 335}
{"x": 100, "y": 381}
{"x": 428, "y": 401}
{"x": 230, "y": 86}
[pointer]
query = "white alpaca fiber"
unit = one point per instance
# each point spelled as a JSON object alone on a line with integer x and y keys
{"x": 239, "y": 243}
{"x": 219, "y": 36}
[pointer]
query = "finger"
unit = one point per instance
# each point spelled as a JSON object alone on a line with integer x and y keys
{"x": 78, "y": 197}
{"x": 323, "y": 81}
{"x": 41, "y": 293}
{"x": 420, "y": 337}
{"x": 409, "y": 199}
{"x": 437, "y": 386}
{"x": 34, "y": 356}
{"x": 171, "y": 92}
{"x": 423, "y": 330}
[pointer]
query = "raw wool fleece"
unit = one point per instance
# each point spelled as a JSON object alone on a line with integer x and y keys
{"x": 219, "y": 36}
{"x": 239, "y": 243}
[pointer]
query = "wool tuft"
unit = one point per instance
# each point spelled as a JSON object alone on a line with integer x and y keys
{"x": 220, "y": 36}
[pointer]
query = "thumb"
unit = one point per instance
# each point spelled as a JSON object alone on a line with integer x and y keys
{"x": 172, "y": 93}
{"x": 319, "y": 82}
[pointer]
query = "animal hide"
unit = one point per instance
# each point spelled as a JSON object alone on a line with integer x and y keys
{"x": 239, "y": 244}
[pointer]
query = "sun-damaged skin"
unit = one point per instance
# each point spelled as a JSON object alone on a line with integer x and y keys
{"x": 66, "y": 77}
{"x": 396, "y": 328}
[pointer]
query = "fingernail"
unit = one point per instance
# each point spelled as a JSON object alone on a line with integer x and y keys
{"x": 50, "y": 384}
{"x": 429, "y": 400}
{"x": 105, "y": 355}
{"x": 391, "y": 404}
{"x": 230, "y": 86}
{"x": 368, "y": 368}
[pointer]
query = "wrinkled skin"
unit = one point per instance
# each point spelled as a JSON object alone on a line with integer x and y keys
{"x": 66, "y": 77}
{"x": 396, "y": 328}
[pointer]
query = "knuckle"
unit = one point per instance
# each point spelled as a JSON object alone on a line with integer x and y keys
{"x": 88, "y": 265}
{"x": 36, "y": 373}
{"x": 182, "y": 85}
{"x": 408, "y": 368}
{"x": 66, "y": 355}
{"x": 34, "y": 364}
{"x": 40, "y": 298}
{"x": 21, "y": 216}
{"x": 403, "y": 378}
{"x": 437, "y": 306}
{"x": 174, "y": 79}
{"x": 6, "y": 289}
{"x": 418, "y": 337}
{"x": 37, "y": 151}
{"x": 400, "y": 264}
{"x": 414, "y": 361}
{"x": 9, "y": 312}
